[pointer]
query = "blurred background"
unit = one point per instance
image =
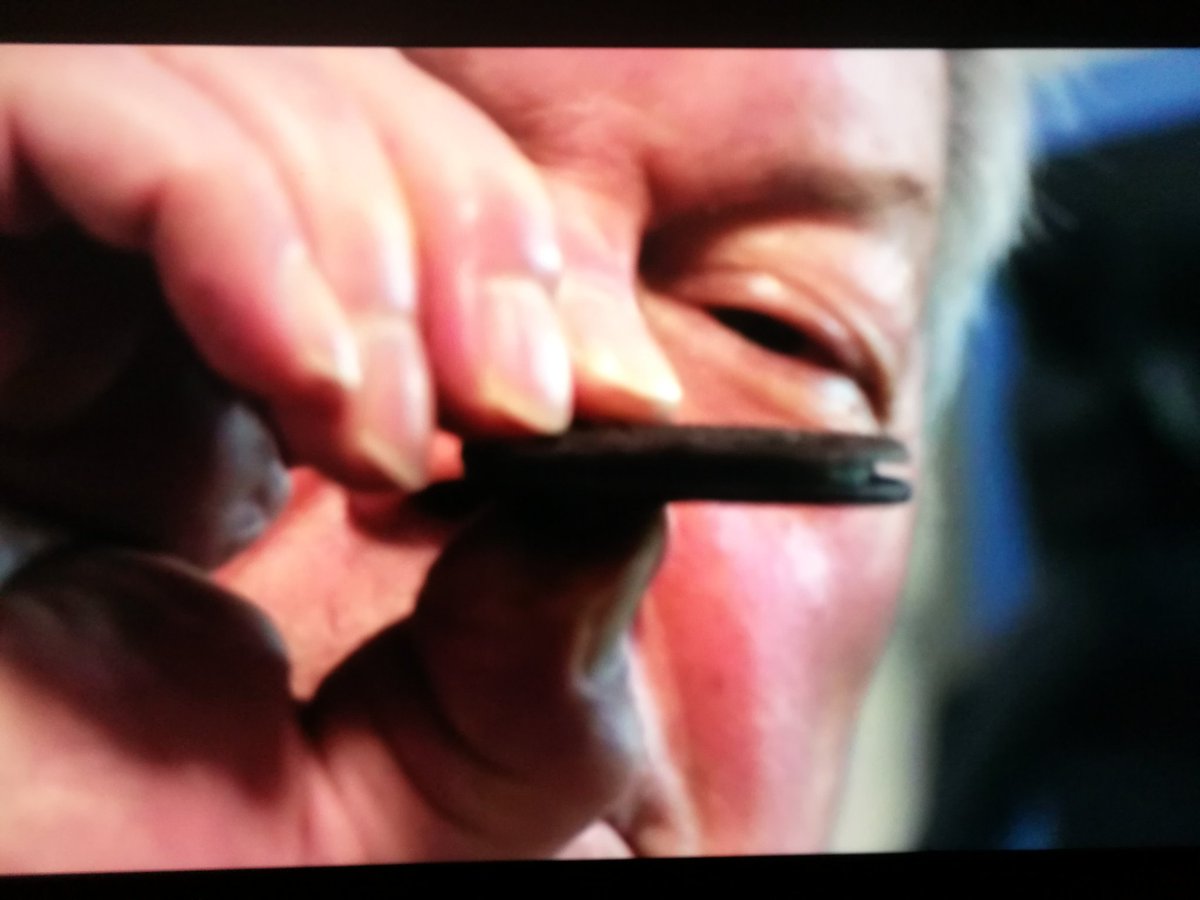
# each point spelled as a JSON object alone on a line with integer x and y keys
{"x": 1041, "y": 690}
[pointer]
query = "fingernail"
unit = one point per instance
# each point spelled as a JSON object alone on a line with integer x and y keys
{"x": 526, "y": 372}
{"x": 613, "y": 351}
{"x": 609, "y": 629}
{"x": 322, "y": 331}
{"x": 394, "y": 407}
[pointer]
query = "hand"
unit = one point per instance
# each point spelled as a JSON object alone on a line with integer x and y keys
{"x": 343, "y": 240}
{"x": 776, "y": 214}
{"x": 149, "y": 721}
{"x": 349, "y": 253}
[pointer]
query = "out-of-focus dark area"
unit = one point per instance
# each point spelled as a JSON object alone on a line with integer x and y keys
{"x": 1077, "y": 723}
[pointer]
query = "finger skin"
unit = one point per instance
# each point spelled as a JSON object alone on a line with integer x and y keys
{"x": 489, "y": 252}
{"x": 148, "y": 723}
{"x": 329, "y": 159}
{"x": 619, "y": 371}
{"x": 143, "y": 161}
{"x": 505, "y": 703}
{"x": 348, "y": 201}
{"x": 281, "y": 241}
{"x": 148, "y": 719}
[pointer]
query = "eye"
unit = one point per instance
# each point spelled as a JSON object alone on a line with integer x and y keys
{"x": 774, "y": 335}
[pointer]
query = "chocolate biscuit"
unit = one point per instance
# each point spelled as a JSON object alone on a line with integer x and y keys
{"x": 677, "y": 463}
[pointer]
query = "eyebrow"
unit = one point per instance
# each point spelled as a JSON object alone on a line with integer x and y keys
{"x": 858, "y": 195}
{"x": 854, "y": 196}
{"x": 862, "y": 197}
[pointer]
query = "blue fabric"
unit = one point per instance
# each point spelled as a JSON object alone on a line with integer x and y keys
{"x": 1116, "y": 98}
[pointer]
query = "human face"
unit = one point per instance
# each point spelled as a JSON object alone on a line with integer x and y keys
{"x": 802, "y": 186}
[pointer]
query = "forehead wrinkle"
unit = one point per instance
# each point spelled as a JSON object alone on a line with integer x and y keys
{"x": 596, "y": 129}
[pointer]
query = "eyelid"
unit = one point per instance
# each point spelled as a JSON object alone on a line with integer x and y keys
{"x": 772, "y": 333}
{"x": 841, "y": 344}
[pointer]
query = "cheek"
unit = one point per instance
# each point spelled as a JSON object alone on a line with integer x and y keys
{"x": 762, "y": 628}
{"x": 764, "y": 623}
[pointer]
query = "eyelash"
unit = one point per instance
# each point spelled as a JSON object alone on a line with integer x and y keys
{"x": 658, "y": 264}
{"x": 773, "y": 335}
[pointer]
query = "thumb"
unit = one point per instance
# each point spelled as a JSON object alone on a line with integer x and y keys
{"x": 504, "y": 702}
